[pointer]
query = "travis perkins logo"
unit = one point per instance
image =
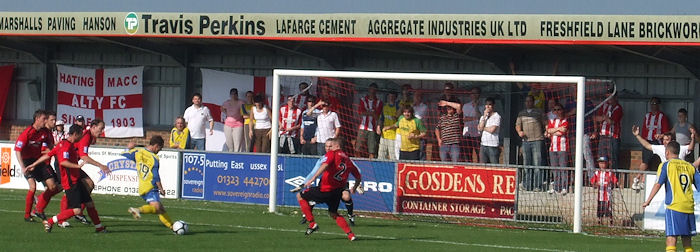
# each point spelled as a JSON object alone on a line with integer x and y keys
{"x": 131, "y": 23}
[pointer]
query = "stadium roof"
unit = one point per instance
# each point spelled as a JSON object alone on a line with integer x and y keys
{"x": 600, "y": 7}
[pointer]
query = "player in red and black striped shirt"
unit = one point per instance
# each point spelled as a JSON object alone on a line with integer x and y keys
{"x": 29, "y": 146}
{"x": 76, "y": 192}
{"x": 335, "y": 170}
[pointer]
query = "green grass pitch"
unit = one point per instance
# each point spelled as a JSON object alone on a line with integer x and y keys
{"x": 236, "y": 227}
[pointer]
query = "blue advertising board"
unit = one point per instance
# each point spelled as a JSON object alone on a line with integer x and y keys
{"x": 377, "y": 182}
{"x": 241, "y": 178}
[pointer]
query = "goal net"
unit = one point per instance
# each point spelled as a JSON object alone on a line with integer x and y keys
{"x": 417, "y": 175}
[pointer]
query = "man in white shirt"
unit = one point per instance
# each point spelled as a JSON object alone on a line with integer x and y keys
{"x": 197, "y": 117}
{"x": 328, "y": 127}
{"x": 660, "y": 150}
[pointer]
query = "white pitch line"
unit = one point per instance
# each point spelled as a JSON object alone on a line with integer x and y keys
{"x": 335, "y": 234}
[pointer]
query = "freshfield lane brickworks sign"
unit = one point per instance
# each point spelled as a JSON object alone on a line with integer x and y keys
{"x": 440, "y": 28}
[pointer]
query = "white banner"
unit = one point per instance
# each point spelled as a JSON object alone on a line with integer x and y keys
{"x": 114, "y": 95}
{"x": 655, "y": 213}
{"x": 122, "y": 181}
{"x": 215, "y": 91}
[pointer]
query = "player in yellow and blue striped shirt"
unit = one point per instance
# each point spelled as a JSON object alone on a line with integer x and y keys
{"x": 150, "y": 188}
{"x": 677, "y": 175}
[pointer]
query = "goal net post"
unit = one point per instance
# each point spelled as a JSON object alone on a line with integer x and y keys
{"x": 578, "y": 81}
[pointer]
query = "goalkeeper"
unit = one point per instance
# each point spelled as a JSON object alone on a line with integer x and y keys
{"x": 346, "y": 198}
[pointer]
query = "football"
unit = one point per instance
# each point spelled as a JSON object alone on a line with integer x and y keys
{"x": 180, "y": 228}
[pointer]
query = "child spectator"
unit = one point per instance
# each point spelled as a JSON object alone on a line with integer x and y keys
{"x": 605, "y": 181}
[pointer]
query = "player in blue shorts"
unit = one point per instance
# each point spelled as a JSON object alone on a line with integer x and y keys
{"x": 150, "y": 188}
{"x": 677, "y": 175}
{"x": 346, "y": 198}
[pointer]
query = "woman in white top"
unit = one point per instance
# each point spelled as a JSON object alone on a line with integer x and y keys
{"x": 260, "y": 127}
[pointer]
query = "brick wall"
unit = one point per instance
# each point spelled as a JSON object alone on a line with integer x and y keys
{"x": 9, "y": 131}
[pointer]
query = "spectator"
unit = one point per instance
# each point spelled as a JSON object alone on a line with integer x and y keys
{"x": 59, "y": 132}
{"x": 411, "y": 130}
{"x": 370, "y": 109}
{"x": 472, "y": 112}
{"x": 289, "y": 124}
{"x": 447, "y": 130}
{"x": 489, "y": 125}
{"x": 604, "y": 180}
{"x": 588, "y": 130}
{"x": 550, "y": 108}
{"x": 660, "y": 149}
{"x": 245, "y": 110}
{"x": 261, "y": 125}
{"x": 387, "y": 142}
{"x": 180, "y": 134}
{"x": 406, "y": 98}
{"x": 328, "y": 126}
{"x": 80, "y": 121}
{"x": 447, "y": 95}
{"x": 233, "y": 124}
{"x": 655, "y": 124}
{"x": 303, "y": 96}
{"x": 529, "y": 126}
{"x": 682, "y": 130}
{"x": 420, "y": 111}
{"x": 558, "y": 150}
{"x": 309, "y": 126}
{"x": 197, "y": 117}
{"x": 609, "y": 125}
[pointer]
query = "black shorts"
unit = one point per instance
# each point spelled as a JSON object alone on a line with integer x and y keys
{"x": 83, "y": 175}
{"x": 604, "y": 209}
{"x": 332, "y": 198}
{"x": 77, "y": 194}
{"x": 41, "y": 172}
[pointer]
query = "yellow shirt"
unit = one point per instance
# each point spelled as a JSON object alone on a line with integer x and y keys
{"x": 147, "y": 164}
{"x": 678, "y": 176}
{"x": 405, "y": 127}
{"x": 182, "y": 139}
{"x": 247, "y": 108}
{"x": 389, "y": 113}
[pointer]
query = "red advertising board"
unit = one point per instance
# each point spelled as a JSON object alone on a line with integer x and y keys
{"x": 454, "y": 190}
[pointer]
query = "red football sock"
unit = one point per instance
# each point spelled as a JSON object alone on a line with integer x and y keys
{"x": 44, "y": 199}
{"x": 64, "y": 203}
{"x": 29, "y": 201}
{"x": 82, "y": 207}
{"x": 306, "y": 209}
{"x": 342, "y": 224}
{"x": 62, "y": 216}
{"x": 92, "y": 212}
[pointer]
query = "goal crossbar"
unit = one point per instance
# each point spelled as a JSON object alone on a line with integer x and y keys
{"x": 580, "y": 101}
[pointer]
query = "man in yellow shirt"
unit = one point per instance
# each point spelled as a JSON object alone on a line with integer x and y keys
{"x": 150, "y": 188}
{"x": 412, "y": 131}
{"x": 677, "y": 176}
{"x": 390, "y": 114}
{"x": 180, "y": 134}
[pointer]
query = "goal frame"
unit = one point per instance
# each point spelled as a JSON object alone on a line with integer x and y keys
{"x": 580, "y": 82}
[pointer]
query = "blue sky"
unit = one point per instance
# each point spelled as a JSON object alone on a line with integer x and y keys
{"x": 602, "y": 7}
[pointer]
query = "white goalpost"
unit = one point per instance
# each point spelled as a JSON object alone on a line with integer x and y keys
{"x": 580, "y": 105}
